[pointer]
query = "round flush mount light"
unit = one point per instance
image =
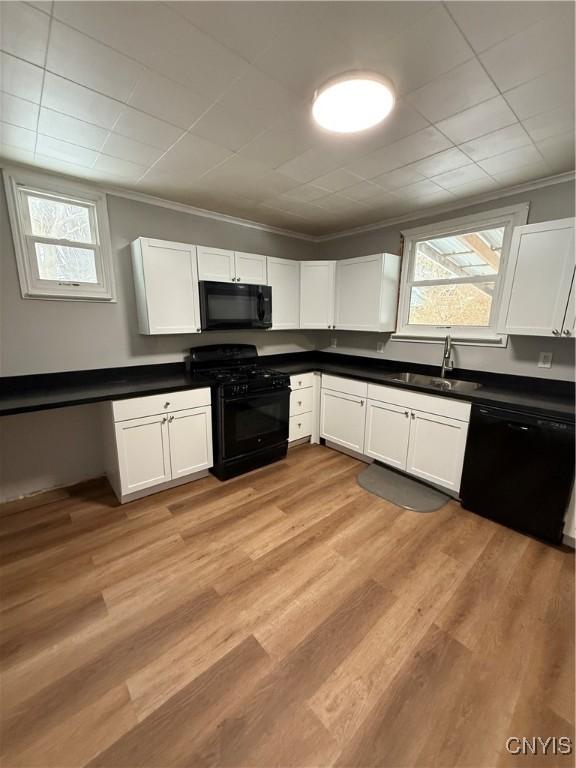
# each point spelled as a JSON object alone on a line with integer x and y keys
{"x": 353, "y": 102}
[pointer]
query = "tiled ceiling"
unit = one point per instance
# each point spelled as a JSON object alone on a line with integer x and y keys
{"x": 208, "y": 103}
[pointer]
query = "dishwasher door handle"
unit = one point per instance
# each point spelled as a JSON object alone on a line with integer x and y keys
{"x": 518, "y": 427}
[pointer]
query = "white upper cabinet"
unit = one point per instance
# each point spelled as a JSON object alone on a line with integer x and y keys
{"x": 250, "y": 268}
{"x": 317, "y": 279}
{"x": 539, "y": 278}
{"x": 223, "y": 266}
{"x": 284, "y": 279}
{"x": 216, "y": 264}
{"x": 166, "y": 284}
{"x": 367, "y": 293}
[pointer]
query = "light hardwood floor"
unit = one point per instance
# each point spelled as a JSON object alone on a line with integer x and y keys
{"x": 284, "y": 618}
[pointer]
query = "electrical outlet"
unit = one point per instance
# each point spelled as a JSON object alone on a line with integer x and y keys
{"x": 545, "y": 360}
{"x": 380, "y": 346}
{"x": 333, "y": 342}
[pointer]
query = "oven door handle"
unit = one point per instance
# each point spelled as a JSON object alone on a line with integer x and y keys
{"x": 258, "y": 393}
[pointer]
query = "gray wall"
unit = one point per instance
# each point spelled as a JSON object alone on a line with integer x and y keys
{"x": 520, "y": 356}
{"x": 40, "y": 336}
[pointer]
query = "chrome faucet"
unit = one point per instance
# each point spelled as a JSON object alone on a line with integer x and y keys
{"x": 447, "y": 364}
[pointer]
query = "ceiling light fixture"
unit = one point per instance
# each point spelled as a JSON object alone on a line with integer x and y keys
{"x": 353, "y": 102}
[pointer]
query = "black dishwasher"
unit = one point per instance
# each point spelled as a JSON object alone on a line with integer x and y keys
{"x": 519, "y": 470}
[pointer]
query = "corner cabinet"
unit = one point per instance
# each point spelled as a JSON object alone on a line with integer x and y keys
{"x": 284, "y": 279}
{"x": 166, "y": 286}
{"x": 367, "y": 293}
{"x": 156, "y": 442}
{"x": 317, "y": 281}
{"x": 538, "y": 298}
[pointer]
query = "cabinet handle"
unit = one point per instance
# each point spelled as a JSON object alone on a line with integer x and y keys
{"x": 361, "y": 402}
{"x": 299, "y": 383}
{"x": 171, "y": 418}
{"x": 164, "y": 419}
{"x": 567, "y": 332}
{"x": 299, "y": 424}
{"x": 198, "y": 330}
{"x": 413, "y": 415}
{"x": 166, "y": 405}
{"x": 329, "y": 326}
{"x": 406, "y": 413}
{"x": 556, "y": 332}
{"x": 299, "y": 402}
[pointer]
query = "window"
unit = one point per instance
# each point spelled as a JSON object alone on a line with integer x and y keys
{"x": 61, "y": 238}
{"x": 452, "y": 277}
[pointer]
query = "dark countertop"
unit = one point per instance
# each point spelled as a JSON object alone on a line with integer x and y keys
{"x": 537, "y": 402}
{"x": 21, "y": 394}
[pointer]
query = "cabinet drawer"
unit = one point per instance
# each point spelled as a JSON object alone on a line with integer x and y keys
{"x": 300, "y": 426}
{"x": 138, "y": 407}
{"x": 301, "y": 380}
{"x": 301, "y": 401}
{"x": 405, "y": 398}
{"x": 348, "y": 386}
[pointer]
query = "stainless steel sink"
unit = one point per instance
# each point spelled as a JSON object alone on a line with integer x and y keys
{"x": 434, "y": 382}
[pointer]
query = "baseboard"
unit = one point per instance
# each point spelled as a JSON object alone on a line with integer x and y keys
{"x": 347, "y": 451}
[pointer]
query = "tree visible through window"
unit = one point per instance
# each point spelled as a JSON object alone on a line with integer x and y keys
{"x": 61, "y": 237}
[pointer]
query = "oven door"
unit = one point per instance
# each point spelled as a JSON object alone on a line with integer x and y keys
{"x": 229, "y": 306}
{"x": 253, "y": 422}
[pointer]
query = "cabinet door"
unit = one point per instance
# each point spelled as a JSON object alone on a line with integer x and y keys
{"x": 317, "y": 294}
{"x": 569, "y": 325}
{"x": 539, "y": 278}
{"x": 190, "y": 441}
{"x": 251, "y": 268}
{"x": 167, "y": 292}
{"x": 284, "y": 279}
{"x": 143, "y": 452}
{"x": 436, "y": 449}
{"x": 387, "y": 433}
{"x": 358, "y": 290}
{"x": 215, "y": 264}
{"x": 342, "y": 419}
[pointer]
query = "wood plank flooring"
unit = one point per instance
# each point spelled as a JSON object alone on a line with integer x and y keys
{"x": 284, "y": 618}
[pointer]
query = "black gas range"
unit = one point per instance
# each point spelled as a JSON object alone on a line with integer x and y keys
{"x": 250, "y": 407}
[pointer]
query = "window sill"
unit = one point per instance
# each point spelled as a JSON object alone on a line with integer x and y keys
{"x": 491, "y": 340}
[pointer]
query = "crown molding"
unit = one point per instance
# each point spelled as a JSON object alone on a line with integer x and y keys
{"x": 142, "y": 197}
{"x": 421, "y": 213}
{"x": 424, "y": 213}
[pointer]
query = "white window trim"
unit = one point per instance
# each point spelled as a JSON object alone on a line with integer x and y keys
{"x": 31, "y": 286}
{"x": 511, "y": 216}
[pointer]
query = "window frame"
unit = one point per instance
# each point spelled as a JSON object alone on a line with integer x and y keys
{"x": 19, "y": 185}
{"x": 509, "y": 217}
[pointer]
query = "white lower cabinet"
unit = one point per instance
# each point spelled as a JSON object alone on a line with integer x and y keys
{"x": 304, "y": 407}
{"x": 143, "y": 453}
{"x": 190, "y": 435}
{"x": 423, "y": 435}
{"x": 436, "y": 449}
{"x": 387, "y": 433}
{"x": 342, "y": 419}
{"x": 151, "y": 451}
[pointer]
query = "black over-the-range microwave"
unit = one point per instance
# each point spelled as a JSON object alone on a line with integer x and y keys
{"x": 229, "y": 306}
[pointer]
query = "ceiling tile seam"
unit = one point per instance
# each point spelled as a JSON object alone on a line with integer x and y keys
{"x": 487, "y": 73}
{"x": 125, "y": 56}
{"x": 125, "y": 103}
{"x": 215, "y": 39}
{"x": 455, "y": 205}
{"x": 43, "y": 82}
